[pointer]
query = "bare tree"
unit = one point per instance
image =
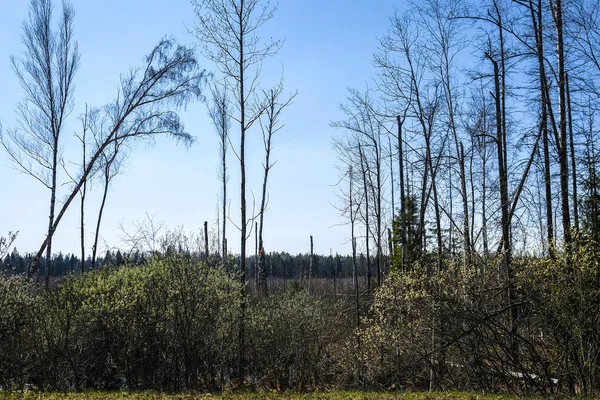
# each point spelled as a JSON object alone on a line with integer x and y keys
{"x": 561, "y": 140}
{"x": 366, "y": 211}
{"x": 228, "y": 32}
{"x": 353, "y": 240}
{"x": 46, "y": 73}
{"x": 6, "y": 242}
{"x": 403, "y": 69}
{"x": 110, "y": 166}
{"x": 144, "y": 108}
{"x": 83, "y": 191}
{"x": 365, "y": 123}
{"x": 145, "y": 236}
{"x": 220, "y": 114}
{"x": 572, "y": 154}
{"x": 269, "y": 127}
{"x": 479, "y": 125}
{"x": 400, "y": 122}
{"x": 445, "y": 43}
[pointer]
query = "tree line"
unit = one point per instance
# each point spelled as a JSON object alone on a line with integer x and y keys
{"x": 278, "y": 265}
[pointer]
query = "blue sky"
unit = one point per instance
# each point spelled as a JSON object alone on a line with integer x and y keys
{"x": 328, "y": 47}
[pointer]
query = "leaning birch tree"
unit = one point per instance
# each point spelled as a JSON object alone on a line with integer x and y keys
{"x": 145, "y": 107}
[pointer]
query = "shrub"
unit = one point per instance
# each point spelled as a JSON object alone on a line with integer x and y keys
{"x": 165, "y": 325}
{"x": 19, "y": 324}
{"x": 290, "y": 338}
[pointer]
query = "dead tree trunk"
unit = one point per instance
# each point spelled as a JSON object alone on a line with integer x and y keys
{"x": 83, "y": 191}
{"x": 466, "y": 229}
{"x": 206, "y": 240}
{"x": 366, "y": 216}
{"x": 537, "y": 23}
{"x": 573, "y": 160}
{"x": 563, "y": 157}
{"x": 272, "y": 112}
{"x": 402, "y": 192}
{"x": 311, "y": 261}
{"x": 504, "y": 206}
{"x": 353, "y": 239}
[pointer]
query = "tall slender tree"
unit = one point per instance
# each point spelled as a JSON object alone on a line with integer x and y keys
{"x": 561, "y": 140}
{"x": 269, "y": 127}
{"x": 83, "y": 191}
{"x": 46, "y": 73}
{"x": 109, "y": 166}
{"x": 228, "y": 32}
{"x": 220, "y": 111}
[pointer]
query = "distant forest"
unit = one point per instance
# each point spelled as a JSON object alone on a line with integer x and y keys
{"x": 280, "y": 265}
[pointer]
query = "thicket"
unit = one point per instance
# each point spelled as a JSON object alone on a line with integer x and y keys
{"x": 171, "y": 324}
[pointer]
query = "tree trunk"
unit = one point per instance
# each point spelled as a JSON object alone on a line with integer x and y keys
{"x": 392, "y": 178}
{"x": 537, "y": 23}
{"x": 486, "y": 251}
{"x": 83, "y": 193}
{"x": 563, "y": 157}
{"x": 573, "y": 160}
{"x": 378, "y": 208}
{"x": 82, "y": 219}
{"x": 311, "y": 261}
{"x": 463, "y": 188}
{"x": 504, "y": 206}
{"x": 206, "y": 240}
{"x": 100, "y": 212}
{"x": 224, "y": 183}
{"x": 402, "y": 193}
{"x": 257, "y": 271}
{"x": 51, "y": 214}
{"x": 353, "y": 238}
{"x": 333, "y": 273}
{"x": 366, "y": 194}
{"x": 243, "y": 222}
{"x": 436, "y": 207}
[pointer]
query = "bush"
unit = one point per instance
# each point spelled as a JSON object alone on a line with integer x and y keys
{"x": 19, "y": 327}
{"x": 166, "y": 325}
{"x": 174, "y": 324}
{"x": 290, "y": 337}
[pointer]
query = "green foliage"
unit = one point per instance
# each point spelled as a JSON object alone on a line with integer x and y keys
{"x": 478, "y": 329}
{"x": 165, "y": 325}
{"x": 19, "y": 323}
{"x": 412, "y": 247}
{"x": 397, "y": 333}
{"x": 290, "y": 338}
{"x": 590, "y": 204}
{"x": 172, "y": 323}
{"x": 564, "y": 303}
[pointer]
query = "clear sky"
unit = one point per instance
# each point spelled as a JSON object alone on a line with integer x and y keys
{"x": 328, "y": 47}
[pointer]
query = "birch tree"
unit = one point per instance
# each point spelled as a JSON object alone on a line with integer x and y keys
{"x": 46, "y": 72}
{"x": 228, "y": 32}
{"x": 269, "y": 127}
{"x": 145, "y": 107}
{"x": 220, "y": 111}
